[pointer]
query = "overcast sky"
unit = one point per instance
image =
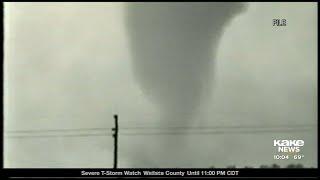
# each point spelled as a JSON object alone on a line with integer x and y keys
{"x": 69, "y": 65}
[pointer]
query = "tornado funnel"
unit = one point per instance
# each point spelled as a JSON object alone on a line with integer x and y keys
{"x": 173, "y": 47}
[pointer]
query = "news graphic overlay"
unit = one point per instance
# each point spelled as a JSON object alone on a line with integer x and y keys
{"x": 288, "y": 149}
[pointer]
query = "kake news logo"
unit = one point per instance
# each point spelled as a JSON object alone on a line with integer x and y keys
{"x": 288, "y": 146}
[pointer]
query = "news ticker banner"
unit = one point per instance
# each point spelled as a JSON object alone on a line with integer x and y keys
{"x": 104, "y": 173}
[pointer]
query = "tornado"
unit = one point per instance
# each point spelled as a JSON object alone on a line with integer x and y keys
{"x": 173, "y": 46}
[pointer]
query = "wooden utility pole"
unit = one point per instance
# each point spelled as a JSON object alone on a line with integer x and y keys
{"x": 115, "y": 136}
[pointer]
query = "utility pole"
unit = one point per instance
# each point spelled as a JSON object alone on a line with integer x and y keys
{"x": 115, "y": 136}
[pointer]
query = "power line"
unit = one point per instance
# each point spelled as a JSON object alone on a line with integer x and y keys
{"x": 224, "y": 127}
{"x": 55, "y": 130}
{"x": 220, "y": 132}
{"x": 255, "y": 131}
{"x": 57, "y": 136}
{"x": 238, "y": 129}
{"x": 164, "y": 128}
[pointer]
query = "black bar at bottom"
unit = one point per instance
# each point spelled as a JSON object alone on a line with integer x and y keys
{"x": 169, "y": 172}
